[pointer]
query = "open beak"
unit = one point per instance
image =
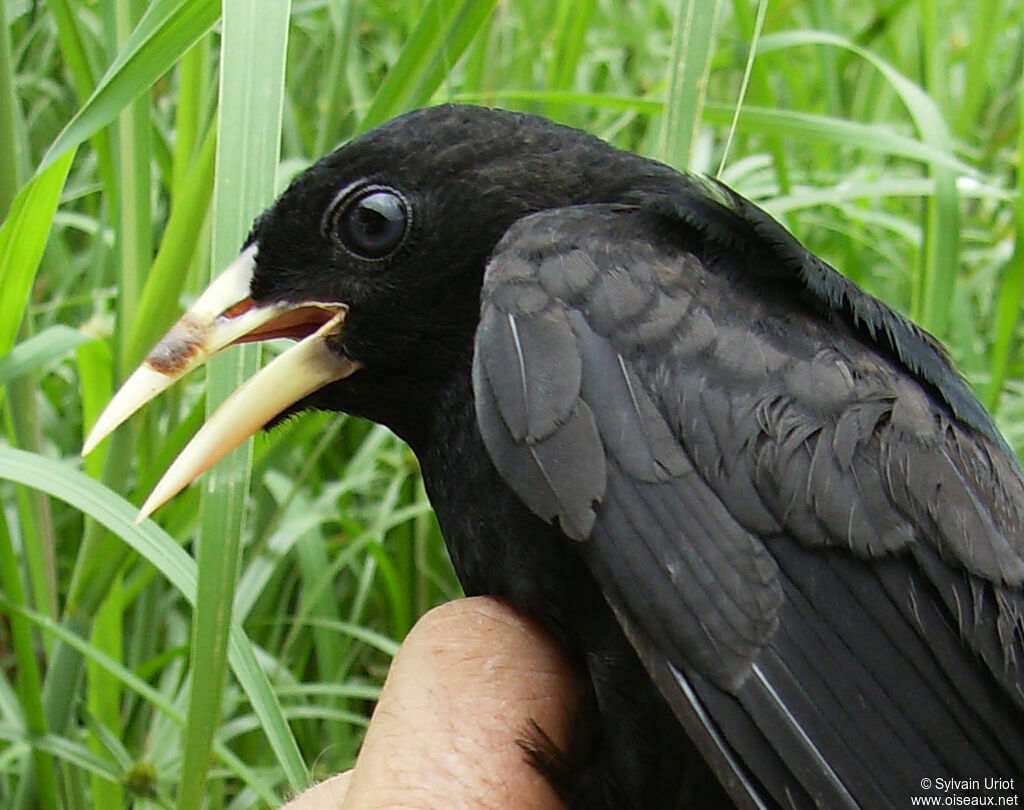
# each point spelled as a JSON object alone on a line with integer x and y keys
{"x": 224, "y": 315}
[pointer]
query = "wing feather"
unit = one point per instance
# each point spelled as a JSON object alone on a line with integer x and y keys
{"x": 808, "y": 528}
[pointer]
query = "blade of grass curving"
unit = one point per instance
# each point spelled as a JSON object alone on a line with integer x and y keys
{"x": 40, "y": 350}
{"x": 22, "y": 422}
{"x": 479, "y": 63}
{"x": 934, "y": 284}
{"x": 249, "y": 125}
{"x": 22, "y": 239}
{"x": 73, "y": 754}
{"x": 693, "y": 44}
{"x": 444, "y": 30}
{"x": 879, "y": 138}
{"x": 63, "y": 481}
{"x": 311, "y": 554}
{"x": 111, "y": 746}
{"x": 822, "y": 17}
{"x": 371, "y": 638}
{"x": 889, "y": 187}
{"x": 790, "y": 124}
{"x": 139, "y": 686}
{"x": 926, "y": 115}
{"x": 166, "y": 31}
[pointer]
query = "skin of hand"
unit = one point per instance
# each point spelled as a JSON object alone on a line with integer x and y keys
{"x": 460, "y": 694}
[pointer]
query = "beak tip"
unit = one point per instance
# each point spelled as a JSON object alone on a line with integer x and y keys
{"x": 146, "y": 510}
{"x": 170, "y": 485}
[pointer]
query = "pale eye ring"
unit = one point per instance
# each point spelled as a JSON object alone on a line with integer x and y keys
{"x": 370, "y": 223}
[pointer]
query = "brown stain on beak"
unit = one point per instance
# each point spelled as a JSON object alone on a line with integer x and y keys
{"x": 172, "y": 355}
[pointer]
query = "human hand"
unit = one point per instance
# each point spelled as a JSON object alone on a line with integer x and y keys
{"x": 461, "y": 693}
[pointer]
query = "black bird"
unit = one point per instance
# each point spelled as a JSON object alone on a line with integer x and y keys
{"x": 778, "y": 535}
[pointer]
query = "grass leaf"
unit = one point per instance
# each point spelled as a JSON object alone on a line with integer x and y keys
{"x": 22, "y": 239}
{"x": 444, "y": 30}
{"x": 166, "y": 31}
{"x": 40, "y": 350}
{"x": 693, "y": 43}
{"x": 249, "y": 125}
{"x": 62, "y": 481}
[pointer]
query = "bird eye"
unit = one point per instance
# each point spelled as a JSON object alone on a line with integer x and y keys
{"x": 373, "y": 223}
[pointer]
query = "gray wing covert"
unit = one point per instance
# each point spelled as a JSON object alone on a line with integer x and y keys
{"x": 793, "y": 526}
{"x": 576, "y": 434}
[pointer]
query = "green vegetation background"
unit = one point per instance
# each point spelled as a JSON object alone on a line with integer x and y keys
{"x": 885, "y": 133}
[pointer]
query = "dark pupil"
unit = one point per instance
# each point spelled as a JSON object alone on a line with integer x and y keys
{"x": 376, "y": 223}
{"x": 371, "y": 223}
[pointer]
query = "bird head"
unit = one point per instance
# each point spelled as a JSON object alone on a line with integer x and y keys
{"x": 372, "y": 259}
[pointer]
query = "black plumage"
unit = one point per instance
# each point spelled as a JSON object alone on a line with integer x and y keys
{"x": 729, "y": 481}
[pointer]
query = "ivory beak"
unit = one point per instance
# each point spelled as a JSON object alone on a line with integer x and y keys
{"x": 223, "y": 315}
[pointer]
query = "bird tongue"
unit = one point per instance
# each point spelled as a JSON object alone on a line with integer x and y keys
{"x": 223, "y": 315}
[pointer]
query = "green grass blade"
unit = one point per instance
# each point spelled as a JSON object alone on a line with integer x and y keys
{"x": 1011, "y": 294}
{"x": 793, "y": 125}
{"x": 40, "y": 350}
{"x": 64, "y": 482}
{"x": 811, "y": 128}
{"x": 693, "y": 43}
{"x": 164, "y": 282}
{"x": 748, "y": 71}
{"x": 444, "y": 30}
{"x": 134, "y": 180}
{"x": 22, "y": 239}
{"x": 574, "y": 18}
{"x": 104, "y": 693}
{"x": 72, "y": 48}
{"x": 940, "y": 257}
{"x": 922, "y": 108}
{"x": 10, "y": 122}
{"x": 29, "y": 682}
{"x": 933, "y": 289}
{"x": 73, "y": 754}
{"x": 83, "y": 78}
{"x": 190, "y": 112}
{"x": 986, "y": 15}
{"x": 139, "y": 686}
{"x": 249, "y": 125}
{"x": 334, "y": 91}
{"x": 166, "y": 31}
{"x": 95, "y": 385}
{"x": 761, "y": 89}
